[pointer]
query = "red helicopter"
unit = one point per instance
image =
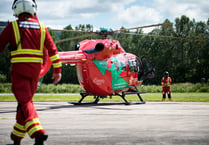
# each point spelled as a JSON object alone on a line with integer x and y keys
{"x": 104, "y": 68}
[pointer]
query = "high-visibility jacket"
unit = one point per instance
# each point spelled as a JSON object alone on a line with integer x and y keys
{"x": 27, "y": 47}
{"x": 166, "y": 81}
{"x": 24, "y": 54}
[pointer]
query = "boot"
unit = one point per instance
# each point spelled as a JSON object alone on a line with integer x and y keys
{"x": 40, "y": 140}
{"x": 169, "y": 97}
{"x": 163, "y": 99}
{"x": 15, "y": 142}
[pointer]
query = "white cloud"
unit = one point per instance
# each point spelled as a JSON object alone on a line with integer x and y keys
{"x": 112, "y": 13}
{"x": 197, "y": 9}
{"x": 136, "y": 15}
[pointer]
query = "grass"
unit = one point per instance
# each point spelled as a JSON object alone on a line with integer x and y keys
{"x": 195, "y": 97}
{"x": 60, "y": 92}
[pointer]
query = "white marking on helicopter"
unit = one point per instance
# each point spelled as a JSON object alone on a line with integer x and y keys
{"x": 98, "y": 81}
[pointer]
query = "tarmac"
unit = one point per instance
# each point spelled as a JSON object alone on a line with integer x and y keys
{"x": 153, "y": 123}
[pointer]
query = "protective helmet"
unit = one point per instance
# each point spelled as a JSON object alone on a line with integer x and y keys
{"x": 24, "y": 6}
{"x": 166, "y": 73}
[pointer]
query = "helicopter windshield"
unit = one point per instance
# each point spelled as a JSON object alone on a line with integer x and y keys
{"x": 133, "y": 65}
{"x": 123, "y": 66}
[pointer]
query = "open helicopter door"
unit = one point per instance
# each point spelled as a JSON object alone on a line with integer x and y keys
{"x": 146, "y": 70}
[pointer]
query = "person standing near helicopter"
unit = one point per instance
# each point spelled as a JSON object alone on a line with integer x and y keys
{"x": 28, "y": 41}
{"x": 166, "y": 83}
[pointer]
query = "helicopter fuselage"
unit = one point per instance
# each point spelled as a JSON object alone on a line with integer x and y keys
{"x": 103, "y": 66}
{"x": 105, "y": 71}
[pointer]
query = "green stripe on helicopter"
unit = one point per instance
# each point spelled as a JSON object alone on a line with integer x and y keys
{"x": 117, "y": 81}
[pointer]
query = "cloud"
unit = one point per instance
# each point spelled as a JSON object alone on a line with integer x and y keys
{"x": 78, "y": 9}
{"x": 6, "y": 12}
{"x": 136, "y": 15}
{"x": 197, "y": 9}
{"x": 112, "y": 13}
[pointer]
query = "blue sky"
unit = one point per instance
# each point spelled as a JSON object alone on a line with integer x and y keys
{"x": 111, "y": 13}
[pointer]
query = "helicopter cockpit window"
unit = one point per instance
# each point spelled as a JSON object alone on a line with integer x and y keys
{"x": 123, "y": 66}
{"x": 116, "y": 63}
{"x": 133, "y": 65}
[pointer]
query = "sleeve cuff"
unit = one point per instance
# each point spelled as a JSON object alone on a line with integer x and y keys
{"x": 57, "y": 70}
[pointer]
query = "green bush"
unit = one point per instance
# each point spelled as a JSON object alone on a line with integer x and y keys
{"x": 3, "y": 78}
{"x": 177, "y": 88}
{"x": 71, "y": 88}
{"x": 5, "y": 88}
{"x": 60, "y": 88}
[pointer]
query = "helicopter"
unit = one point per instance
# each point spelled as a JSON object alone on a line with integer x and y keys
{"x": 105, "y": 69}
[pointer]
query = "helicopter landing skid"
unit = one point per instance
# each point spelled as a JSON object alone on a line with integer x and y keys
{"x": 123, "y": 96}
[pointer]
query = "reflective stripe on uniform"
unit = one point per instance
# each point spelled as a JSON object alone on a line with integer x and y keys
{"x": 30, "y": 53}
{"x": 19, "y": 134}
{"x": 26, "y": 59}
{"x": 20, "y": 127}
{"x": 34, "y": 121}
{"x": 35, "y": 129}
{"x": 57, "y": 65}
{"x": 43, "y": 36}
{"x": 55, "y": 57}
{"x": 33, "y": 126}
{"x": 17, "y": 34}
{"x": 27, "y": 51}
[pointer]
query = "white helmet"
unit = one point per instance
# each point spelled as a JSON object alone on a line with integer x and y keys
{"x": 24, "y": 6}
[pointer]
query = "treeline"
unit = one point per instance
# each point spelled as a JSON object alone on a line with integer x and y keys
{"x": 184, "y": 52}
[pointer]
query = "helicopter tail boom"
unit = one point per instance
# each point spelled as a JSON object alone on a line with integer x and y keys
{"x": 72, "y": 57}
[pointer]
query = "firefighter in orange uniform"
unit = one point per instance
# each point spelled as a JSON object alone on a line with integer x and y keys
{"x": 166, "y": 83}
{"x": 28, "y": 39}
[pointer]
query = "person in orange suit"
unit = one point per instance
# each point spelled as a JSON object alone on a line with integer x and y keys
{"x": 28, "y": 39}
{"x": 166, "y": 83}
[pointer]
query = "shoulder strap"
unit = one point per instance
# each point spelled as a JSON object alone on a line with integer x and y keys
{"x": 17, "y": 35}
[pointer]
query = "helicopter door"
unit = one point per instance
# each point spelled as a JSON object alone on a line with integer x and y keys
{"x": 140, "y": 69}
{"x": 148, "y": 70}
{"x": 123, "y": 69}
{"x": 133, "y": 71}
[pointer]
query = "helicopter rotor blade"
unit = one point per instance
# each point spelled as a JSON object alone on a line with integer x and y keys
{"x": 161, "y": 36}
{"x": 66, "y": 30}
{"x": 148, "y": 26}
{"x": 73, "y": 38}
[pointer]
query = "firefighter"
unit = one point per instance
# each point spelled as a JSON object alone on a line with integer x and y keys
{"x": 28, "y": 39}
{"x": 166, "y": 83}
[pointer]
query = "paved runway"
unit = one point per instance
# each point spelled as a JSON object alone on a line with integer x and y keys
{"x": 154, "y": 123}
